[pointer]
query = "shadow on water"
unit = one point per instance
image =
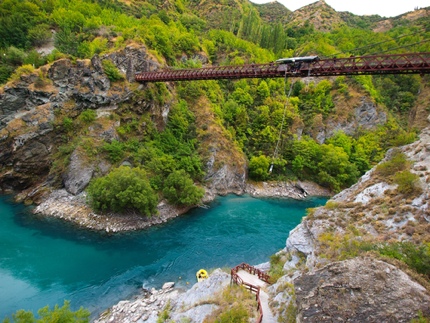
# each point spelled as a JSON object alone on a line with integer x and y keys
{"x": 44, "y": 261}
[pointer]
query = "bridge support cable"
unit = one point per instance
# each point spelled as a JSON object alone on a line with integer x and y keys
{"x": 410, "y": 63}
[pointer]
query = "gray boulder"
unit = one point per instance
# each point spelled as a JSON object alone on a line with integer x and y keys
{"x": 78, "y": 175}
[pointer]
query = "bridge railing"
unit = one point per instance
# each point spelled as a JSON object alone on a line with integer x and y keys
{"x": 253, "y": 289}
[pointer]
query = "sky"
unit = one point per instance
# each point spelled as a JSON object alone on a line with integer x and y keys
{"x": 385, "y": 8}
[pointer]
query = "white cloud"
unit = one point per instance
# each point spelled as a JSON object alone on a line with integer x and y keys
{"x": 387, "y": 8}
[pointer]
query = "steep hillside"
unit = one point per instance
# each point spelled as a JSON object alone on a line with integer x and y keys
{"x": 318, "y": 14}
{"x": 414, "y": 17}
{"x": 355, "y": 21}
{"x": 272, "y": 12}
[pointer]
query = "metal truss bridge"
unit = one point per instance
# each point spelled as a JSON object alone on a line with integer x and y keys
{"x": 410, "y": 63}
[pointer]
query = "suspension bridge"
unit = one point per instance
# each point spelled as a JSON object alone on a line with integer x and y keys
{"x": 409, "y": 63}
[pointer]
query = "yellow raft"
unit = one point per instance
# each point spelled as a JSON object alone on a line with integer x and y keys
{"x": 201, "y": 275}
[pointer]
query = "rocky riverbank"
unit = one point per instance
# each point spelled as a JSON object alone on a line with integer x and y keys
{"x": 192, "y": 305}
{"x": 296, "y": 190}
{"x": 73, "y": 208}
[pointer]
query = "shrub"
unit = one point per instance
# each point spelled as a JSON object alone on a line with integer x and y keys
{"x": 276, "y": 271}
{"x": 331, "y": 205}
{"x": 88, "y": 116}
{"x": 415, "y": 256}
{"x": 259, "y": 167}
{"x": 40, "y": 34}
{"x": 165, "y": 314}
{"x": 123, "y": 189}
{"x": 180, "y": 189}
{"x": 421, "y": 319}
{"x": 67, "y": 124}
{"x": 58, "y": 314}
{"x": 236, "y": 314}
{"x": 112, "y": 71}
{"x": 408, "y": 183}
{"x": 234, "y": 304}
{"x": 115, "y": 150}
{"x": 22, "y": 70}
{"x": 41, "y": 81}
{"x": 398, "y": 162}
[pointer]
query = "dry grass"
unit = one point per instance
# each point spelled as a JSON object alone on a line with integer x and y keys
{"x": 232, "y": 298}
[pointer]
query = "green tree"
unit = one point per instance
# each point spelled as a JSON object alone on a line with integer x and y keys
{"x": 263, "y": 91}
{"x": 179, "y": 189}
{"x": 58, "y": 314}
{"x": 121, "y": 190}
{"x": 39, "y": 34}
{"x": 259, "y": 167}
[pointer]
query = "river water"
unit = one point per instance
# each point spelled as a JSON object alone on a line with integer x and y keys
{"x": 44, "y": 261}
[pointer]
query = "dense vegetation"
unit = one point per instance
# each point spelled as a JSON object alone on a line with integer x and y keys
{"x": 251, "y": 111}
{"x": 59, "y": 314}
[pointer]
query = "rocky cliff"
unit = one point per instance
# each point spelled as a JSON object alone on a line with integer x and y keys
{"x": 30, "y": 104}
{"x": 364, "y": 287}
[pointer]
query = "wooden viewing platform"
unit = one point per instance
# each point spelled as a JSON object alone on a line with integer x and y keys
{"x": 254, "y": 280}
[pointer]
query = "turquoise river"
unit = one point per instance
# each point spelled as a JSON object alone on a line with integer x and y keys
{"x": 44, "y": 261}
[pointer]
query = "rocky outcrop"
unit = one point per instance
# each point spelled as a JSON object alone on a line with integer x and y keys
{"x": 366, "y": 116}
{"x": 224, "y": 181}
{"x": 190, "y": 306}
{"x": 144, "y": 308}
{"x": 359, "y": 290}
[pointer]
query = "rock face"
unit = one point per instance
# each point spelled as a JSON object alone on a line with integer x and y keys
{"x": 27, "y": 135}
{"x": 297, "y": 190}
{"x": 359, "y": 290}
{"x": 225, "y": 180}
{"x": 367, "y": 115}
{"x": 78, "y": 175}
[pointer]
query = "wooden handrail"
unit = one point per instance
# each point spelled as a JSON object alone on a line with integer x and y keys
{"x": 256, "y": 289}
{"x": 254, "y": 271}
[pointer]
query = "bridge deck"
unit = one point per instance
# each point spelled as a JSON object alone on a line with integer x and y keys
{"x": 408, "y": 63}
